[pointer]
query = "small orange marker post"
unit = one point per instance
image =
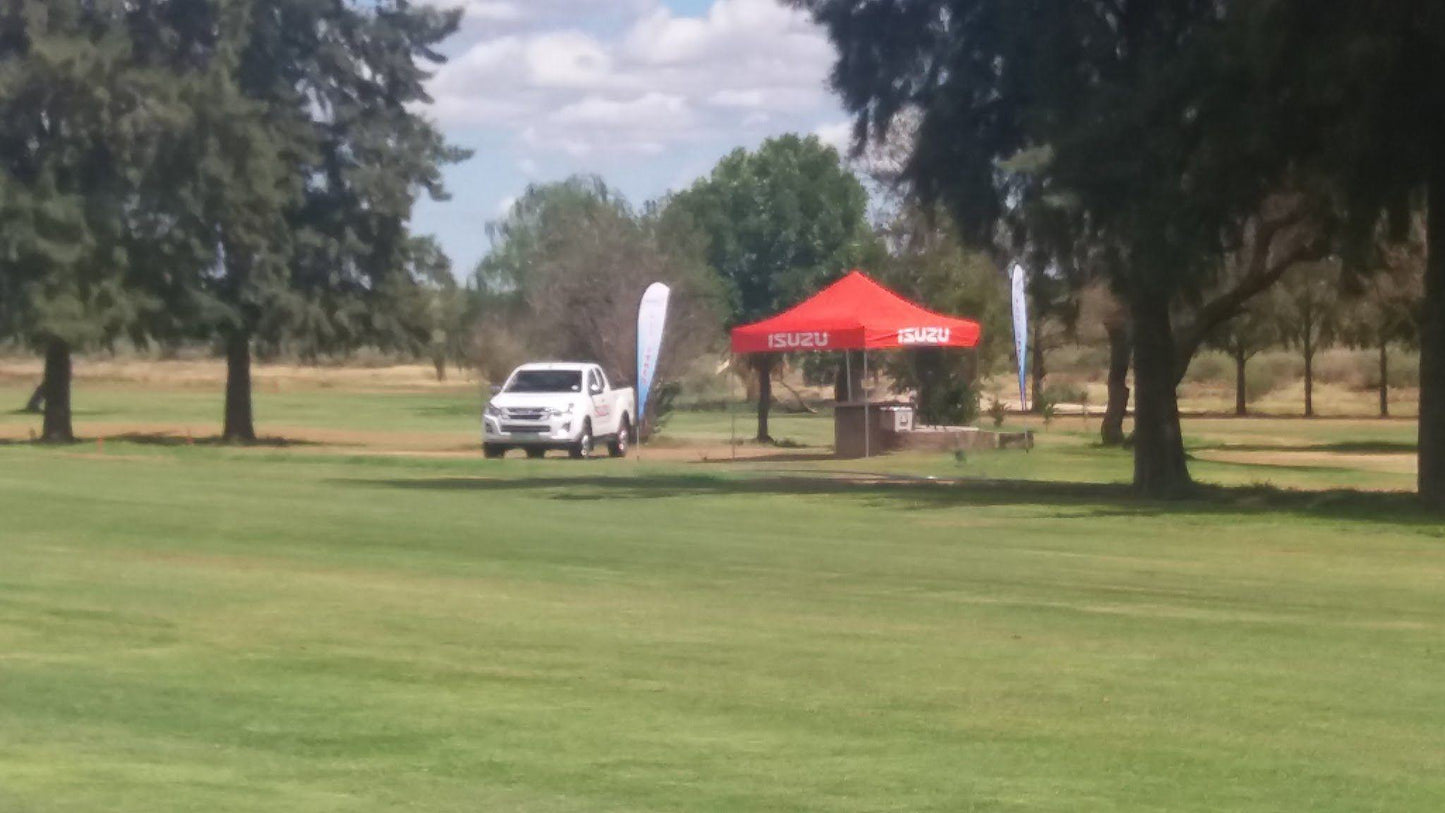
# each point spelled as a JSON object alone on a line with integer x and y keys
{"x": 100, "y": 444}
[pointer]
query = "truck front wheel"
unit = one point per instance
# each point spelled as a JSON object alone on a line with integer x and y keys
{"x": 583, "y": 447}
{"x": 617, "y": 447}
{"x": 493, "y": 451}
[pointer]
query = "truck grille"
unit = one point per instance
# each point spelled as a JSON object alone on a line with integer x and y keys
{"x": 526, "y": 414}
{"x": 523, "y": 429}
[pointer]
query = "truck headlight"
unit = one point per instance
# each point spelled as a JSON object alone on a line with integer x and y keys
{"x": 493, "y": 411}
{"x": 557, "y": 413}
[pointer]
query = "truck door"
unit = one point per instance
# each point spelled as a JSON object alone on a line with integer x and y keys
{"x": 601, "y": 406}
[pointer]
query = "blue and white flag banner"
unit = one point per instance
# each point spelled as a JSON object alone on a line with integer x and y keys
{"x": 1018, "y": 279}
{"x": 651, "y": 319}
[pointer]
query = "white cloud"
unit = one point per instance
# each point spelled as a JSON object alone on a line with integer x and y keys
{"x": 494, "y": 16}
{"x": 567, "y": 59}
{"x": 651, "y": 110}
{"x": 659, "y": 80}
{"x": 838, "y": 135}
{"x": 499, "y": 10}
{"x": 730, "y": 97}
{"x": 732, "y": 28}
{"x": 505, "y": 205}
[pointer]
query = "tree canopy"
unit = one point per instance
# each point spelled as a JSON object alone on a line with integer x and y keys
{"x": 224, "y": 169}
{"x": 1134, "y": 118}
{"x": 778, "y": 223}
{"x": 568, "y": 266}
{"x": 1357, "y": 100}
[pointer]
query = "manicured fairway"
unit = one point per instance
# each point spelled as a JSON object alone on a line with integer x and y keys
{"x": 196, "y": 628}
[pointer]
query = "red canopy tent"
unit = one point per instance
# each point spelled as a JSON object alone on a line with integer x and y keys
{"x": 854, "y": 313}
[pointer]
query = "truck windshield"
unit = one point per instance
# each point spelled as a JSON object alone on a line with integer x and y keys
{"x": 546, "y": 381}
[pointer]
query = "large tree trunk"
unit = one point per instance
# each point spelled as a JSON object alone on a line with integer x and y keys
{"x": 239, "y": 425}
{"x": 1309, "y": 373}
{"x": 1160, "y": 469}
{"x": 56, "y": 427}
{"x": 763, "y": 363}
{"x": 1384, "y": 380}
{"x": 36, "y": 404}
{"x": 1432, "y": 347}
{"x": 1111, "y": 432}
{"x": 1241, "y": 402}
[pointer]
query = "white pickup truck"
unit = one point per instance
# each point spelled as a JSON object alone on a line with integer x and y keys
{"x": 558, "y": 405}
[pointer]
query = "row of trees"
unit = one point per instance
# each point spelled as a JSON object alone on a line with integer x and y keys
{"x": 1185, "y": 153}
{"x": 764, "y": 230}
{"x": 1310, "y": 311}
{"x": 233, "y": 171}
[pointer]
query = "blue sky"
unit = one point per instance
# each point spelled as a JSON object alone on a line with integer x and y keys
{"x": 646, "y": 93}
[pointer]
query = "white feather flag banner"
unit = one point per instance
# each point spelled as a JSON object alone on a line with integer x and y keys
{"x": 1018, "y": 279}
{"x": 651, "y": 320}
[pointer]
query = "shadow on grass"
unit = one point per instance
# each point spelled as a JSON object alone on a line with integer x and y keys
{"x": 465, "y": 410}
{"x": 168, "y": 441}
{"x": 1358, "y": 447}
{"x": 775, "y": 457}
{"x": 1077, "y": 499}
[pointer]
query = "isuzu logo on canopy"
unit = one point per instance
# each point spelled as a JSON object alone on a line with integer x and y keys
{"x": 854, "y": 313}
{"x": 798, "y": 341}
{"x": 924, "y": 335}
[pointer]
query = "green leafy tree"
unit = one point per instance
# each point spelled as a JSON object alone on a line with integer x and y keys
{"x": 1250, "y": 332}
{"x": 567, "y": 270}
{"x": 1356, "y": 99}
{"x": 298, "y": 173}
{"x": 428, "y": 313}
{"x": 1385, "y": 310}
{"x": 1134, "y": 123}
{"x": 928, "y": 264}
{"x": 779, "y": 223}
{"x": 80, "y": 115}
{"x": 1308, "y": 315}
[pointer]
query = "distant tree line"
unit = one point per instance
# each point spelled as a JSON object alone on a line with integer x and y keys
{"x": 762, "y": 231}
{"x": 230, "y": 171}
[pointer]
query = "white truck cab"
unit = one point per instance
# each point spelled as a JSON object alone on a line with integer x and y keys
{"x": 558, "y": 405}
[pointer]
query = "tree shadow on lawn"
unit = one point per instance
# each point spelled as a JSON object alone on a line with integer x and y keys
{"x": 1083, "y": 499}
{"x": 165, "y": 439}
{"x": 774, "y": 457}
{"x": 1356, "y": 447}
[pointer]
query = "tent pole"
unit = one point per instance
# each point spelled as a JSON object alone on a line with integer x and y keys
{"x": 847, "y": 388}
{"x": 867, "y": 430}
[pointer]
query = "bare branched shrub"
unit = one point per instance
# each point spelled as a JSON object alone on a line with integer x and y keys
{"x": 567, "y": 275}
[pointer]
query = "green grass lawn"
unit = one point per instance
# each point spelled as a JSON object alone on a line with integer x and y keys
{"x": 202, "y": 628}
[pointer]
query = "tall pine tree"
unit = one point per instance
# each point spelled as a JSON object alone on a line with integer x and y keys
{"x": 300, "y": 167}
{"x": 79, "y": 120}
